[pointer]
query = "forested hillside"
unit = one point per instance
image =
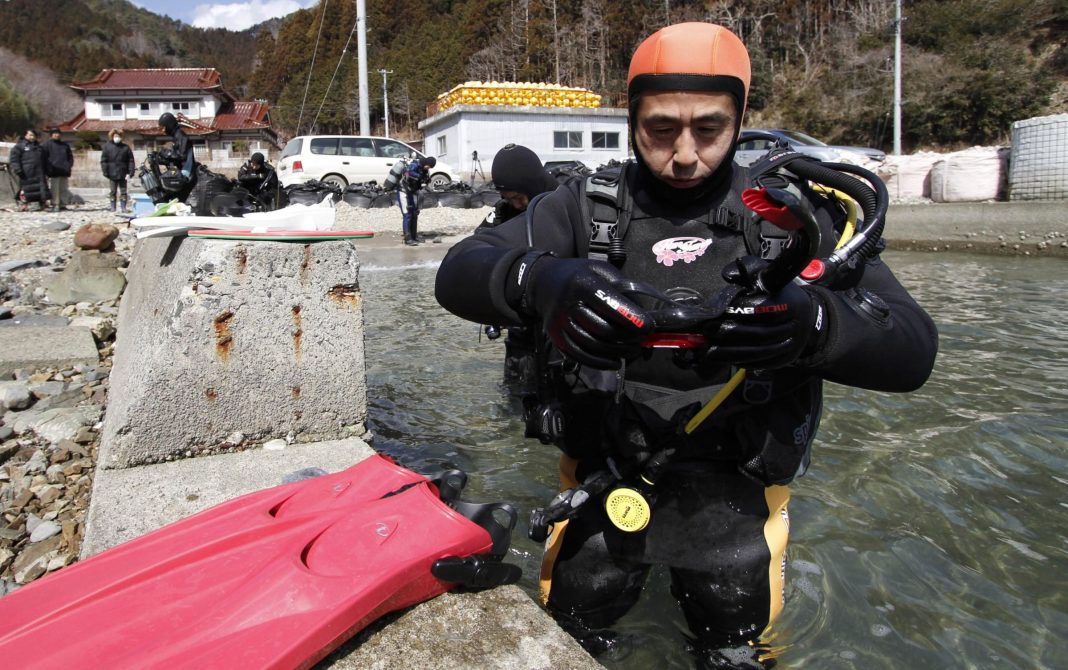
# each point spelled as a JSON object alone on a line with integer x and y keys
{"x": 970, "y": 67}
{"x": 75, "y": 39}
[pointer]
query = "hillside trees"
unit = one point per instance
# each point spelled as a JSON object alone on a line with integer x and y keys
{"x": 971, "y": 67}
{"x": 17, "y": 113}
{"x": 78, "y": 38}
{"x": 36, "y": 85}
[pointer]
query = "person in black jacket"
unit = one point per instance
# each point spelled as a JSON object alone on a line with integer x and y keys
{"x": 183, "y": 147}
{"x": 519, "y": 176}
{"x": 60, "y": 163}
{"x": 686, "y": 454}
{"x": 117, "y": 164}
{"x": 30, "y": 165}
{"x": 260, "y": 179}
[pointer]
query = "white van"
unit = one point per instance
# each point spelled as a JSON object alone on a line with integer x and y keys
{"x": 348, "y": 159}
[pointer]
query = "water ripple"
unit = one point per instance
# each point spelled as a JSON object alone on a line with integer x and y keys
{"x": 930, "y": 530}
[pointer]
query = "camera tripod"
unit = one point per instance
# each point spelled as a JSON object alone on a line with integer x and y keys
{"x": 476, "y": 168}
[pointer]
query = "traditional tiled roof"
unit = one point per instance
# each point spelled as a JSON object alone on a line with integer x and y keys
{"x": 232, "y": 116}
{"x": 243, "y": 115}
{"x": 200, "y": 78}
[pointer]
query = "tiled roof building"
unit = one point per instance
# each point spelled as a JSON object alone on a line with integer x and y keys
{"x": 133, "y": 101}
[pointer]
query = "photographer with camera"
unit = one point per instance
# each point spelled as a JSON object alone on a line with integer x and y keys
{"x": 183, "y": 148}
{"x": 259, "y": 178}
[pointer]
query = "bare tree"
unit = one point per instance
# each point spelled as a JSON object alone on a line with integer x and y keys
{"x": 56, "y": 102}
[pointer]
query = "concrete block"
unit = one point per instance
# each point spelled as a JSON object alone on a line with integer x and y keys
{"x": 217, "y": 337}
{"x": 131, "y": 502}
{"x": 38, "y": 348}
{"x": 501, "y": 628}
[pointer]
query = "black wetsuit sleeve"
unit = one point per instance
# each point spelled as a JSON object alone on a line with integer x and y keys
{"x": 471, "y": 279}
{"x": 878, "y": 338}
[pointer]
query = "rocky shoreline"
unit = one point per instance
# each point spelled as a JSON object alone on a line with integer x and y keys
{"x": 51, "y": 422}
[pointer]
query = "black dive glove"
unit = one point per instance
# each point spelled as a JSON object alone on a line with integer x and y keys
{"x": 584, "y": 314}
{"x": 763, "y": 331}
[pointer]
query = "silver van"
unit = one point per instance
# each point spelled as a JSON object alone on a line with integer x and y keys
{"x": 348, "y": 159}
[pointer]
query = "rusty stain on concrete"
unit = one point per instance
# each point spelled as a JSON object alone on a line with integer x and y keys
{"x": 306, "y": 262}
{"x": 346, "y": 295}
{"x": 298, "y": 331}
{"x": 223, "y": 339}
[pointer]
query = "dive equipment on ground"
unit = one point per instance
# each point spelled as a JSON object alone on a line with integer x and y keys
{"x": 274, "y": 579}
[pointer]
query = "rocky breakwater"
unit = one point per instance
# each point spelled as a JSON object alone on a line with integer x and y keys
{"x": 61, "y": 276}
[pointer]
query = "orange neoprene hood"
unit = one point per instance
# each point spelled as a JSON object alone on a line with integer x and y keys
{"x": 690, "y": 57}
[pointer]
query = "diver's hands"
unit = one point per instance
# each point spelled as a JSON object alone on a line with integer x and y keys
{"x": 762, "y": 331}
{"x": 584, "y": 314}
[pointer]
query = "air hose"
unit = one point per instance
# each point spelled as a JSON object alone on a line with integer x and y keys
{"x": 873, "y": 199}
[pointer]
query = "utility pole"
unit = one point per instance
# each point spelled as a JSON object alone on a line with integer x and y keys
{"x": 361, "y": 46}
{"x": 385, "y": 97}
{"x": 897, "y": 80}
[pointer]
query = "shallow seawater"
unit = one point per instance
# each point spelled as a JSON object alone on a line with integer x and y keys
{"x": 931, "y": 530}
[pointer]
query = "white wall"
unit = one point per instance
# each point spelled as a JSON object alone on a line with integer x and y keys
{"x": 200, "y": 106}
{"x": 486, "y": 130}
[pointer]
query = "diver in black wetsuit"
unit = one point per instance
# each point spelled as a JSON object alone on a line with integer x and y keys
{"x": 519, "y": 176}
{"x": 704, "y": 494}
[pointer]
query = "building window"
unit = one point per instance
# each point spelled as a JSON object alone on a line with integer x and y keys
{"x": 112, "y": 110}
{"x": 442, "y": 145}
{"x": 604, "y": 140}
{"x": 567, "y": 139}
{"x": 180, "y": 106}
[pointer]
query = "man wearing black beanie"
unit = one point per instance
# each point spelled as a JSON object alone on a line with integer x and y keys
{"x": 518, "y": 176}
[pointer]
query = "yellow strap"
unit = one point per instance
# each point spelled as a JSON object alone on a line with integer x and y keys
{"x": 716, "y": 401}
{"x": 851, "y": 211}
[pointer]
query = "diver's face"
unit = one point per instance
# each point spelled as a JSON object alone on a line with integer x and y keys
{"x": 516, "y": 199}
{"x": 684, "y": 136}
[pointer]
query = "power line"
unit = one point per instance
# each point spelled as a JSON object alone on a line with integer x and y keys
{"x": 322, "y": 20}
{"x": 339, "y": 61}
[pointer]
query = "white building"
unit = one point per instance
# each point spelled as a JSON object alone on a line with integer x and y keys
{"x": 591, "y": 135}
{"x": 133, "y": 100}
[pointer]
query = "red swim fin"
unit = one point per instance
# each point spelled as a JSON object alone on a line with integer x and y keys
{"x": 274, "y": 579}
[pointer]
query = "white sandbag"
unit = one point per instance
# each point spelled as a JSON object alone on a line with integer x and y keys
{"x": 1038, "y": 165}
{"x": 907, "y": 177}
{"x": 971, "y": 175}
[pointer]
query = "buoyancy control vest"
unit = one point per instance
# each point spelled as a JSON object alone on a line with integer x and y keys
{"x": 767, "y": 425}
